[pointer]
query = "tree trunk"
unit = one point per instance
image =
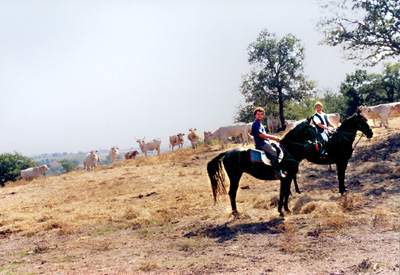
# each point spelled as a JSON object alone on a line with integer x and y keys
{"x": 281, "y": 114}
{"x": 390, "y": 93}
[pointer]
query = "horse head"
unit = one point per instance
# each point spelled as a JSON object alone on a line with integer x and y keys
{"x": 358, "y": 122}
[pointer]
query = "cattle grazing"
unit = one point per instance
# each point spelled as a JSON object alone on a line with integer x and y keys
{"x": 34, "y": 172}
{"x": 131, "y": 155}
{"x": 334, "y": 119}
{"x": 176, "y": 140}
{"x": 149, "y": 146}
{"x": 193, "y": 137}
{"x": 381, "y": 112}
{"x": 223, "y": 134}
{"x": 91, "y": 161}
{"x": 114, "y": 151}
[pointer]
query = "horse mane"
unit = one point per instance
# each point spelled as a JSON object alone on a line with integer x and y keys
{"x": 346, "y": 120}
{"x": 290, "y": 133}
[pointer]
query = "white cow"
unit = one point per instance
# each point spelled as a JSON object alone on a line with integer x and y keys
{"x": 149, "y": 146}
{"x": 114, "y": 151}
{"x": 34, "y": 172}
{"x": 334, "y": 119}
{"x": 176, "y": 140}
{"x": 193, "y": 137}
{"x": 273, "y": 124}
{"x": 223, "y": 134}
{"x": 381, "y": 112}
{"x": 91, "y": 161}
{"x": 290, "y": 124}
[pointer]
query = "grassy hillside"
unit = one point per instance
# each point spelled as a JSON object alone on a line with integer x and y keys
{"x": 156, "y": 215}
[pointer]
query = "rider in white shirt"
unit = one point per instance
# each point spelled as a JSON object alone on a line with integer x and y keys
{"x": 321, "y": 121}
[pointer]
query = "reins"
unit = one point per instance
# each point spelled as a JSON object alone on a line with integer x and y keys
{"x": 355, "y": 144}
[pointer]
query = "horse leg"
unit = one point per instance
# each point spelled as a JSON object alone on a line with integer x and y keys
{"x": 341, "y": 170}
{"x": 296, "y": 185}
{"x": 288, "y": 182}
{"x": 234, "y": 179}
{"x": 281, "y": 197}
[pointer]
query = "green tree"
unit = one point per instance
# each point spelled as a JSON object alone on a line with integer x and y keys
{"x": 334, "y": 102}
{"x": 368, "y": 30}
{"x": 352, "y": 89}
{"x": 11, "y": 166}
{"x": 391, "y": 82}
{"x": 276, "y": 75}
{"x": 69, "y": 165}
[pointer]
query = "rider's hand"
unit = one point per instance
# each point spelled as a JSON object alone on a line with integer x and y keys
{"x": 278, "y": 139}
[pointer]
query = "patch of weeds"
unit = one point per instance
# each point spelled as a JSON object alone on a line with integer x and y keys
{"x": 290, "y": 242}
{"x": 380, "y": 218}
{"x": 148, "y": 266}
{"x": 187, "y": 245}
{"x": 40, "y": 248}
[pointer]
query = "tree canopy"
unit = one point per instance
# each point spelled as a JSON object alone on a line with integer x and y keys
{"x": 276, "y": 74}
{"x": 368, "y": 30}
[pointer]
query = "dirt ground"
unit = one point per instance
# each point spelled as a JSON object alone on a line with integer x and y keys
{"x": 156, "y": 215}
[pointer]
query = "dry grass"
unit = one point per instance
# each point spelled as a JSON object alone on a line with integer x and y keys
{"x": 140, "y": 210}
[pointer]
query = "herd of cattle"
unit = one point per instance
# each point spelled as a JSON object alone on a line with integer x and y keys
{"x": 238, "y": 133}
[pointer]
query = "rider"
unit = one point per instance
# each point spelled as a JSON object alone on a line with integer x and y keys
{"x": 321, "y": 121}
{"x": 262, "y": 140}
{"x": 323, "y": 124}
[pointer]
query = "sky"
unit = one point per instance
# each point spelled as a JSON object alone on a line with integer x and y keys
{"x": 90, "y": 74}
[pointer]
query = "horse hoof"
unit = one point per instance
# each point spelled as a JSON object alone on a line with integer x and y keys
{"x": 235, "y": 214}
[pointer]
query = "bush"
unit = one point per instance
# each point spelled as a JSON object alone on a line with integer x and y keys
{"x": 69, "y": 165}
{"x": 11, "y": 166}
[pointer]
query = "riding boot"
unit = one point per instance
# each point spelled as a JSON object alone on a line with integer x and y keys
{"x": 275, "y": 166}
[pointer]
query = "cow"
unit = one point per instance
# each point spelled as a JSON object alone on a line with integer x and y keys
{"x": 273, "y": 124}
{"x": 334, "y": 119}
{"x": 131, "y": 155}
{"x": 290, "y": 124}
{"x": 193, "y": 137}
{"x": 34, "y": 172}
{"x": 223, "y": 134}
{"x": 176, "y": 140}
{"x": 114, "y": 151}
{"x": 91, "y": 161}
{"x": 149, "y": 146}
{"x": 381, "y": 112}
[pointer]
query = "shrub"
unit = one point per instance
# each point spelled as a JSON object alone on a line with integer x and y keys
{"x": 11, "y": 166}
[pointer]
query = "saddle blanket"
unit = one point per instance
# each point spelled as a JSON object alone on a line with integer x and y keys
{"x": 257, "y": 156}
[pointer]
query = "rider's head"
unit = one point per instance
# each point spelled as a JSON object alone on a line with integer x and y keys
{"x": 259, "y": 113}
{"x": 318, "y": 106}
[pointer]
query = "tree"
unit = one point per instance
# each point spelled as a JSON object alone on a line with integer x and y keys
{"x": 276, "y": 74}
{"x": 391, "y": 82}
{"x": 369, "y": 30}
{"x": 68, "y": 165}
{"x": 371, "y": 89}
{"x": 11, "y": 166}
{"x": 334, "y": 103}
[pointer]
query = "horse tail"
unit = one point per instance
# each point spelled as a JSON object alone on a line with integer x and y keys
{"x": 217, "y": 176}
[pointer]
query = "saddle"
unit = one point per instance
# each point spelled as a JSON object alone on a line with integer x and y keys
{"x": 259, "y": 156}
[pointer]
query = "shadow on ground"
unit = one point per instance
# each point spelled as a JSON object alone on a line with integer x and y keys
{"x": 226, "y": 232}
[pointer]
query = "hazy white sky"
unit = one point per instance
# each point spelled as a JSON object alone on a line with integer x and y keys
{"x": 82, "y": 75}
